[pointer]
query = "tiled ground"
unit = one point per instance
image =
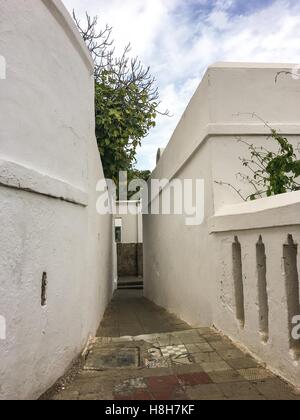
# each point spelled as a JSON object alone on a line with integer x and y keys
{"x": 130, "y": 314}
{"x": 150, "y": 363}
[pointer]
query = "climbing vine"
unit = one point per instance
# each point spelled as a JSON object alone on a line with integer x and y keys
{"x": 269, "y": 173}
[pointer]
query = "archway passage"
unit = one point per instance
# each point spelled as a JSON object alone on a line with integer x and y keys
{"x": 144, "y": 353}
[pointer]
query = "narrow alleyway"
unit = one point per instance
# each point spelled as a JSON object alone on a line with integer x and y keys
{"x": 130, "y": 314}
{"x": 144, "y": 353}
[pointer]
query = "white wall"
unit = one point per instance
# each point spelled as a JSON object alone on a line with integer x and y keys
{"x": 129, "y": 213}
{"x": 49, "y": 166}
{"x": 273, "y": 219}
{"x": 182, "y": 263}
{"x": 177, "y": 262}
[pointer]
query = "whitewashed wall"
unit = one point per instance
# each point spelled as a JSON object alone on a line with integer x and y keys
{"x": 128, "y": 213}
{"x": 49, "y": 166}
{"x": 184, "y": 264}
{"x": 268, "y": 233}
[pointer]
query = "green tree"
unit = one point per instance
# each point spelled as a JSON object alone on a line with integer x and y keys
{"x": 126, "y": 99}
{"x": 137, "y": 174}
{"x": 124, "y": 116}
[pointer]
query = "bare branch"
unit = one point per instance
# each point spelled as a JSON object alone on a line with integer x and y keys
{"x": 233, "y": 187}
{"x": 287, "y": 73}
{"x": 124, "y": 71}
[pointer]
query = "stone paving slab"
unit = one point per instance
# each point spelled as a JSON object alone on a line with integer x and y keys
{"x": 198, "y": 375}
{"x": 174, "y": 362}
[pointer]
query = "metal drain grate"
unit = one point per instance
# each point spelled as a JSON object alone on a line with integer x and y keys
{"x": 113, "y": 358}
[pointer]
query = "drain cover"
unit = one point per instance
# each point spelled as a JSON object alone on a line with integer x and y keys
{"x": 113, "y": 358}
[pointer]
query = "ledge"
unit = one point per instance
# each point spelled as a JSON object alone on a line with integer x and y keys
{"x": 277, "y": 211}
{"x": 229, "y": 130}
{"x": 251, "y": 129}
{"x": 63, "y": 18}
{"x": 15, "y": 175}
{"x": 222, "y": 130}
{"x": 252, "y": 65}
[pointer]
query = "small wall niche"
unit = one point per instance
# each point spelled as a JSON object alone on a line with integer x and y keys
{"x": 263, "y": 304}
{"x": 44, "y": 289}
{"x": 290, "y": 253}
{"x": 238, "y": 281}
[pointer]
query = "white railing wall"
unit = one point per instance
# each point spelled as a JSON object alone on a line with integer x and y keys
{"x": 257, "y": 275}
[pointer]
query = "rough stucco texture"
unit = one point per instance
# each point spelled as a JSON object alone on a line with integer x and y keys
{"x": 46, "y": 125}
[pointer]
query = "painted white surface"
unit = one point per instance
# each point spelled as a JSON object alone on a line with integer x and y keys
{"x": 19, "y": 176}
{"x": 49, "y": 169}
{"x": 276, "y": 211}
{"x": 184, "y": 265}
{"x": 118, "y": 222}
{"x": 276, "y": 352}
{"x": 128, "y": 214}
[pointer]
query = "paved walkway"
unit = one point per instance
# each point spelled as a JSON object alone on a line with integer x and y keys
{"x": 132, "y": 282}
{"x": 144, "y": 353}
{"x": 130, "y": 314}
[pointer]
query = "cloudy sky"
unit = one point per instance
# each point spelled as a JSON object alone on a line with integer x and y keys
{"x": 180, "y": 38}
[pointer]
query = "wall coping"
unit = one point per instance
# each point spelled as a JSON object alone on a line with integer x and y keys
{"x": 63, "y": 18}
{"x": 276, "y": 211}
{"x": 252, "y": 65}
{"x": 17, "y": 176}
{"x": 214, "y": 122}
{"x": 223, "y": 130}
{"x": 229, "y": 130}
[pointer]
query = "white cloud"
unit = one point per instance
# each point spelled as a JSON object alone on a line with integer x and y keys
{"x": 179, "y": 40}
{"x": 218, "y": 19}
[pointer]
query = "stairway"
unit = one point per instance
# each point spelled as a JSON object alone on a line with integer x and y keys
{"x": 130, "y": 283}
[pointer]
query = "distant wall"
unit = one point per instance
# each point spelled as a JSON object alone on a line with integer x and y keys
{"x": 129, "y": 213}
{"x": 130, "y": 250}
{"x": 188, "y": 269}
{"x": 51, "y": 235}
{"x": 130, "y": 260}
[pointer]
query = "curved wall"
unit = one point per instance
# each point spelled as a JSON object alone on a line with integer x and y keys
{"x": 49, "y": 167}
